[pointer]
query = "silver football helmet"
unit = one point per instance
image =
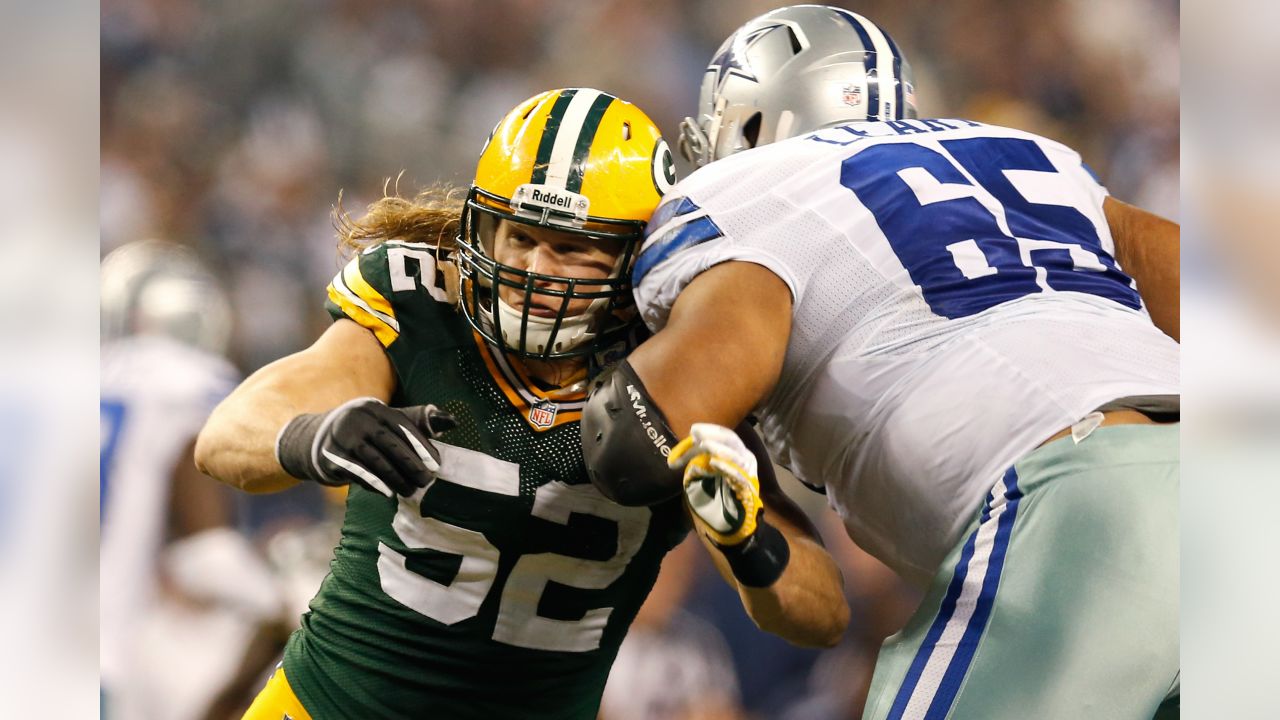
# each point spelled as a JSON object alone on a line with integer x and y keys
{"x": 161, "y": 288}
{"x": 794, "y": 70}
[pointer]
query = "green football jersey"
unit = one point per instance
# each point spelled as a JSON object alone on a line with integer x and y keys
{"x": 503, "y": 588}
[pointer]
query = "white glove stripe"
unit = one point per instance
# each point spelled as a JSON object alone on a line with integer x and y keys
{"x": 326, "y": 421}
{"x": 369, "y": 478}
{"x": 432, "y": 466}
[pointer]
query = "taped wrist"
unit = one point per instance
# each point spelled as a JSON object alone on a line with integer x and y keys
{"x": 759, "y": 560}
{"x": 294, "y": 444}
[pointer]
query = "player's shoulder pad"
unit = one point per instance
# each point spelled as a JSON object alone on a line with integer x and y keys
{"x": 388, "y": 280}
{"x": 626, "y": 440}
{"x": 678, "y": 224}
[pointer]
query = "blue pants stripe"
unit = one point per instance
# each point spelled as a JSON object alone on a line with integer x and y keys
{"x": 942, "y": 694}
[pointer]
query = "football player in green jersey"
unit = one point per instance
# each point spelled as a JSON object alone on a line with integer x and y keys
{"x": 480, "y": 573}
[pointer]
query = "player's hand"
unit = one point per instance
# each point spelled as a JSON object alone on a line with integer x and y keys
{"x": 364, "y": 442}
{"x": 720, "y": 482}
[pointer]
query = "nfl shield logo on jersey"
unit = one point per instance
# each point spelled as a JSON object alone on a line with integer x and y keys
{"x": 543, "y": 415}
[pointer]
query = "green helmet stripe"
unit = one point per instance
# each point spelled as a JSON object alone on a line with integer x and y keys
{"x": 582, "y": 151}
{"x": 548, "y": 141}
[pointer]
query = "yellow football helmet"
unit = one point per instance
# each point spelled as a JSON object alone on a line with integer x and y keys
{"x": 574, "y": 160}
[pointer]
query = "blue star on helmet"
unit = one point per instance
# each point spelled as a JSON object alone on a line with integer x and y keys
{"x": 733, "y": 61}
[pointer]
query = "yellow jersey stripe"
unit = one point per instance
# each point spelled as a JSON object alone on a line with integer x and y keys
{"x": 384, "y": 332}
{"x": 277, "y": 700}
{"x": 357, "y": 284}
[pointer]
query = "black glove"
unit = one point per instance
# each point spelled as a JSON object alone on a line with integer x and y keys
{"x": 384, "y": 449}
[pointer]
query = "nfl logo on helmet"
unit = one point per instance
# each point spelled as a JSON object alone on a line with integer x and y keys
{"x": 543, "y": 415}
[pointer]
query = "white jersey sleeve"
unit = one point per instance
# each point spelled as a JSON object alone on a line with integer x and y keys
{"x": 684, "y": 238}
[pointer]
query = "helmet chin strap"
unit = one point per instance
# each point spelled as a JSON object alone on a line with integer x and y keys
{"x": 574, "y": 330}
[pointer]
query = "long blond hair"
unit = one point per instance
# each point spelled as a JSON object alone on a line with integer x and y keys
{"x": 432, "y": 217}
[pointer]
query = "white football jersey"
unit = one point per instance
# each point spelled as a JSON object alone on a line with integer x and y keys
{"x": 156, "y": 394}
{"x": 956, "y": 302}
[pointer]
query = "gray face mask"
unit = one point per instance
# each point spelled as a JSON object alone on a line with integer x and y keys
{"x": 792, "y": 71}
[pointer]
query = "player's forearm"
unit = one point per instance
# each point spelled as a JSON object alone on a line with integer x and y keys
{"x": 237, "y": 443}
{"x": 806, "y": 606}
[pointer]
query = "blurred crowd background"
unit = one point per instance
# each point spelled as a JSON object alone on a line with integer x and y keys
{"x": 231, "y": 127}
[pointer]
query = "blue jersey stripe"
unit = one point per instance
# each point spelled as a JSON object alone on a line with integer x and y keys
{"x": 687, "y": 235}
{"x": 667, "y": 212}
{"x": 114, "y": 412}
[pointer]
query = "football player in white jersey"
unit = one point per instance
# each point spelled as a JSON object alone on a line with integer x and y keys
{"x": 165, "y": 528}
{"x": 947, "y": 326}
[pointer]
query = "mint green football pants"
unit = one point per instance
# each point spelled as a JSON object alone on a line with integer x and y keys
{"x": 1060, "y": 601}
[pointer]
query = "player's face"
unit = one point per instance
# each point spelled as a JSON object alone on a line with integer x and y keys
{"x": 550, "y": 252}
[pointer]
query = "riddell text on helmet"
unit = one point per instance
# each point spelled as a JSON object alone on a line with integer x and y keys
{"x": 551, "y": 198}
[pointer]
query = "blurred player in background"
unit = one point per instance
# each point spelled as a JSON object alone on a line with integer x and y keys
{"x": 182, "y": 592}
{"x": 480, "y": 574}
{"x": 931, "y": 319}
{"x": 673, "y": 665}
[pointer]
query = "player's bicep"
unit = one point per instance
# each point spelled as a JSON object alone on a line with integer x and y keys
{"x": 345, "y": 362}
{"x": 721, "y": 351}
{"x": 1148, "y": 248}
{"x": 353, "y": 360}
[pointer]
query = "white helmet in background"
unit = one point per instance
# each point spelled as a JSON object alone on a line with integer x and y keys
{"x": 794, "y": 70}
{"x": 159, "y": 288}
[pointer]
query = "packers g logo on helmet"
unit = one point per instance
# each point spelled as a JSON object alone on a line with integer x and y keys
{"x": 575, "y": 160}
{"x": 664, "y": 167}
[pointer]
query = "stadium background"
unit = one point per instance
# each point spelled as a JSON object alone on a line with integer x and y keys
{"x": 232, "y": 126}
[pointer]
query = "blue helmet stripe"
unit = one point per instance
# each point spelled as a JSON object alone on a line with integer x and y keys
{"x": 899, "y": 110}
{"x": 873, "y": 82}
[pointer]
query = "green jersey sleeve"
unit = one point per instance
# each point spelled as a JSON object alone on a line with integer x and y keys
{"x": 384, "y": 285}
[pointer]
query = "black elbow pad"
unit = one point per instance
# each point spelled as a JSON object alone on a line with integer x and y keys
{"x": 626, "y": 441}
